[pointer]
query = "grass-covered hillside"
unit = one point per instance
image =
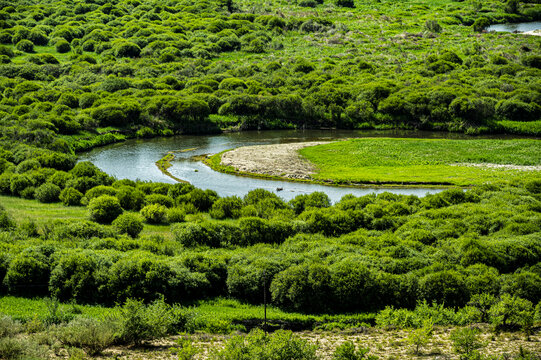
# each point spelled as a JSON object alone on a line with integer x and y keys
{"x": 94, "y": 72}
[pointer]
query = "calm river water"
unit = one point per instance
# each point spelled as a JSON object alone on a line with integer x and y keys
{"x": 522, "y": 27}
{"x": 135, "y": 159}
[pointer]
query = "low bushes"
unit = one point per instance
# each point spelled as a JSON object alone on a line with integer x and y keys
{"x": 130, "y": 224}
{"x": 104, "y": 209}
{"x": 280, "y": 345}
{"x": 91, "y": 335}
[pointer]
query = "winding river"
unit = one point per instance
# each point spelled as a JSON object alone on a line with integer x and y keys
{"x": 135, "y": 159}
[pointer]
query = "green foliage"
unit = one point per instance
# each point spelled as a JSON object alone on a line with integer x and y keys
{"x": 70, "y": 197}
{"x": 154, "y": 213}
{"x": 92, "y": 335}
{"x": 185, "y": 349}
{"x": 104, "y": 209}
{"x": 418, "y": 338}
{"x": 227, "y": 207}
{"x": 28, "y": 274}
{"x": 139, "y": 322}
{"x": 25, "y": 46}
{"x": 348, "y": 351}
{"x": 47, "y": 193}
{"x": 62, "y": 46}
{"x": 512, "y": 311}
{"x": 130, "y": 224}
{"x": 466, "y": 341}
{"x": 345, "y": 3}
{"x": 481, "y": 24}
{"x": 280, "y": 345}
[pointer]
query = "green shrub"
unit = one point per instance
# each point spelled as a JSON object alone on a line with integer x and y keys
{"x": 130, "y": 198}
{"x": 99, "y": 191}
{"x": 6, "y": 223}
{"x": 77, "y": 276}
{"x": 28, "y": 274}
{"x": 104, "y": 209}
{"x": 139, "y": 322}
{"x": 127, "y": 49}
{"x": 175, "y": 215}
{"x": 345, "y": 3}
{"x": 532, "y": 61}
{"x": 280, "y": 345}
{"x": 47, "y": 193}
{"x": 348, "y": 351}
{"x": 70, "y": 197}
{"x": 154, "y": 213}
{"x": 62, "y": 46}
{"x": 159, "y": 199}
{"x": 227, "y": 207}
{"x": 11, "y": 348}
{"x": 17, "y": 183}
{"x": 480, "y": 24}
{"x": 25, "y": 46}
{"x": 91, "y": 335}
{"x": 130, "y": 224}
{"x": 8, "y": 327}
{"x": 28, "y": 165}
{"x": 512, "y": 311}
{"x": 28, "y": 193}
{"x": 466, "y": 340}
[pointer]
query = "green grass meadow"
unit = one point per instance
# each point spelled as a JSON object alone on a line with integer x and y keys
{"x": 22, "y": 210}
{"x": 423, "y": 161}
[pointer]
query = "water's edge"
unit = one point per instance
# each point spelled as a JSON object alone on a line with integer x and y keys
{"x": 136, "y": 159}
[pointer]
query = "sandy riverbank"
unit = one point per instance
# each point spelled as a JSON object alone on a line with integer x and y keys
{"x": 284, "y": 160}
{"x": 273, "y": 160}
{"x": 533, "y": 32}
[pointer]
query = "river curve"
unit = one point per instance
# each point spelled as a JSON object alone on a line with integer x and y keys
{"x": 135, "y": 159}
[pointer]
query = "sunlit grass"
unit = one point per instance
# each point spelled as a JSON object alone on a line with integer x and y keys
{"x": 424, "y": 161}
{"x": 22, "y": 210}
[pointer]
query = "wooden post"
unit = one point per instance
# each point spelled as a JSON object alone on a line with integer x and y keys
{"x": 265, "y": 300}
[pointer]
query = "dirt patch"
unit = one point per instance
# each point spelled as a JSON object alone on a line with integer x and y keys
{"x": 384, "y": 344}
{"x": 273, "y": 160}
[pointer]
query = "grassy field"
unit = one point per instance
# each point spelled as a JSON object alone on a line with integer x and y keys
{"x": 216, "y": 316}
{"x": 425, "y": 161}
{"x": 24, "y": 210}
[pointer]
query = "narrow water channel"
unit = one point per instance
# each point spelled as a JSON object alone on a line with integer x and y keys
{"x": 135, "y": 159}
{"x": 520, "y": 27}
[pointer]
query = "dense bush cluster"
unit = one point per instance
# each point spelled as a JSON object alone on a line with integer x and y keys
{"x": 74, "y": 77}
{"x": 360, "y": 254}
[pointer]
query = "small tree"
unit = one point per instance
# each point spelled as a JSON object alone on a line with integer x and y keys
{"x": 513, "y": 310}
{"x": 347, "y": 351}
{"x": 483, "y": 303}
{"x": 418, "y": 338}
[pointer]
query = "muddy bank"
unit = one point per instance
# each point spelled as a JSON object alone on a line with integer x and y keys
{"x": 272, "y": 160}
